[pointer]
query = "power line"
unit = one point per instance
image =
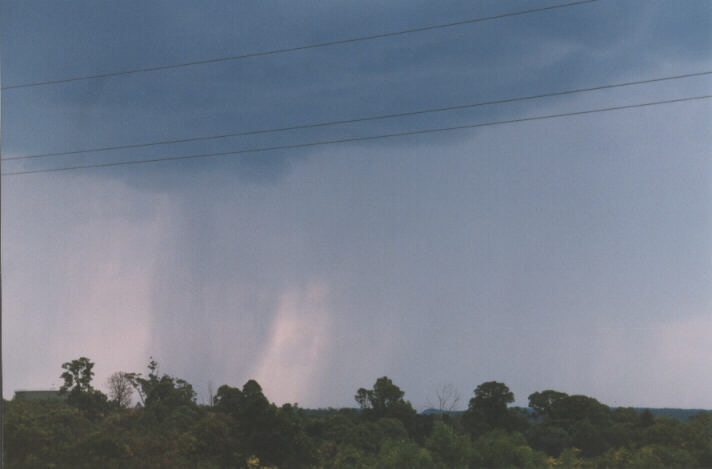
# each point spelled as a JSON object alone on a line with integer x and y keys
{"x": 298, "y": 48}
{"x": 358, "y": 119}
{"x": 358, "y": 139}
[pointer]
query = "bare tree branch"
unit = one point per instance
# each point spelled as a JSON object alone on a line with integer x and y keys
{"x": 448, "y": 397}
{"x": 120, "y": 388}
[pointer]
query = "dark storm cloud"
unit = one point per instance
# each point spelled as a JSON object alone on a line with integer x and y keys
{"x": 512, "y": 56}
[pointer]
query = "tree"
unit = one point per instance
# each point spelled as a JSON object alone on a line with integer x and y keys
{"x": 274, "y": 435}
{"x": 548, "y": 438}
{"x": 77, "y": 375}
{"x": 499, "y": 448}
{"x": 42, "y": 433}
{"x": 586, "y": 421}
{"x": 447, "y": 447}
{"x": 384, "y": 396}
{"x": 120, "y": 388}
{"x": 403, "y": 453}
{"x": 214, "y": 440}
{"x": 245, "y": 404}
{"x": 646, "y": 418}
{"x": 384, "y": 400}
{"x": 571, "y": 409}
{"x": 161, "y": 395}
{"x": 171, "y": 391}
{"x": 229, "y": 400}
{"x": 489, "y": 404}
{"x": 144, "y": 386}
{"x": 543, "y": 403}
{"x": 77, "y": 386}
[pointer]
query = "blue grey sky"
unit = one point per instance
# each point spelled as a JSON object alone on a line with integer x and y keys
{"x": 572, "y": 254}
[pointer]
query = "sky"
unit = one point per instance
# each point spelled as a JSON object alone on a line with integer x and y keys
{"x": 572, "y": 254}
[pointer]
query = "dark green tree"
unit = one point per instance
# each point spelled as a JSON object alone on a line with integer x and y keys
{"x": 77, "y": 387}
{"x": 587, "y": 421}
{"x": 41, "y": 434}
{"x": 501, "y": 449}
{"x": 488, "y": 409}
{"x": 447, "y": 447}
{"x": 570, "y": 409}
{"x": 77, "y": 375}
{"x": 214, "y": 440}
{"x": 403, "y": 454}
{"x": 386, "y": 400}
{"x": 699, "y": 438}
{"x": 144, "y": 386}
{"x": 275, "y": 435}
{"x": 543, "y": 402}
{"x": 646, "y": 418}
{"x": 549, "y": 438}
{"x": 166, "y": 395}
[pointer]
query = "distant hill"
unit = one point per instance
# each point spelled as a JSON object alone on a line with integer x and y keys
{"x": 680, "y": 414}
{"x": 436, "y": 412}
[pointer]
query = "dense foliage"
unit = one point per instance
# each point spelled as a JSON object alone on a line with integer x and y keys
{"x": 240, "y": 428}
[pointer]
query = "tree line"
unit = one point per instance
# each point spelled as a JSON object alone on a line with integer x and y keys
{"x": 241, "y": 428}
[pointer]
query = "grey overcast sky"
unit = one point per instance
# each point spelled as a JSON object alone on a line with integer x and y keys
{"x": 572, "y": 254}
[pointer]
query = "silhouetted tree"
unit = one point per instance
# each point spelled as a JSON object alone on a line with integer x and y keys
{"x": 77, "y": 376}
{"x": 488, "y": 409}
{"x": 542, "y": 403}
{"x": 385, "y": 400}
{"x": 77, "y": 387}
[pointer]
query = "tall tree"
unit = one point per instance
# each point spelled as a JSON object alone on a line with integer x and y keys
{"x": 488, "y": 409}
{"x": 383, "y": 400}
{"x": 77, "y": 375}
{"x": 77, "y": 386}
{"x": 544, "y": 402}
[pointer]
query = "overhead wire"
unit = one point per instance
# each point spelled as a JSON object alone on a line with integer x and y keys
{"x": 296, "y": 48}
{"x": 358, "y": 139}
{"x": 358, "y": 119}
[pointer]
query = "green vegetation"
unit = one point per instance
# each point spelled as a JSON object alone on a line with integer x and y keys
{"x": 242, "y": 429}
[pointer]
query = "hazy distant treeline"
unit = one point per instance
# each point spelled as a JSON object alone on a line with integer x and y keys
{"x": 240, "y": 428}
